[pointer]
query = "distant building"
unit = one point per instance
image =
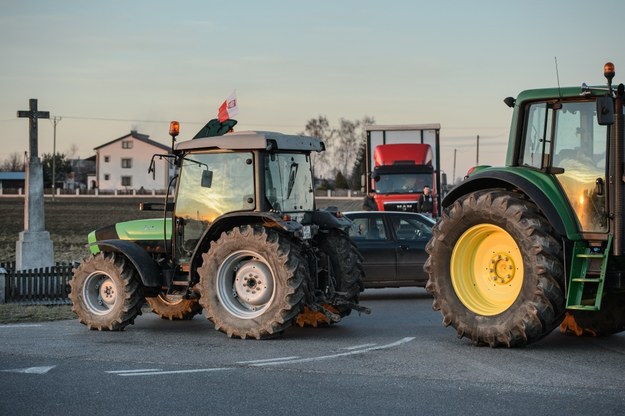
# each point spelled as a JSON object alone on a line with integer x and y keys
{"x": 122, "y": 164}
{"x": 12, "y": 180}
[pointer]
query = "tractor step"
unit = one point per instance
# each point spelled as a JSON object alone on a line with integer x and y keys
{"x": 587, "y": 276}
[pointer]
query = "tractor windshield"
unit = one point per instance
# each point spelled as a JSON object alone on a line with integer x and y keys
{"x": 210, "y": 185}
{"x": 288, "y": 182}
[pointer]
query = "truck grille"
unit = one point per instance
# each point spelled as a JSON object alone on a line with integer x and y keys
{"x": 401, "y": 206}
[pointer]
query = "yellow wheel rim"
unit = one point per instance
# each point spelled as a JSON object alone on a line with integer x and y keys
{"x": 486, "y": 269}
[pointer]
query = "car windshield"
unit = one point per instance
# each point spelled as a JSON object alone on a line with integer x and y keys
{"x": 288, "y": 182}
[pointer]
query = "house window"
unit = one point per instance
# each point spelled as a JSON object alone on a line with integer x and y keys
{"x": 107, "y": 159}
{"x": 126, "y": 163}
{"x": 126, "y": 180}
{"x": 126, "y": 144}
{"x": 107, "y": 177}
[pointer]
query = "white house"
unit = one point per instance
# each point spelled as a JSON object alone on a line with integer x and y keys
{"x": 123, "y": 163}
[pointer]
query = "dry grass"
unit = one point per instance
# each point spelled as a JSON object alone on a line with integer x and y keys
{"x": 13, "y": 312}
{"x": 68, "y": 220}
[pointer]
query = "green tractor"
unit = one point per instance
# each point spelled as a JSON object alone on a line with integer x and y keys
{"x": 540, "y": 242}
{"x": 241, "y": 240}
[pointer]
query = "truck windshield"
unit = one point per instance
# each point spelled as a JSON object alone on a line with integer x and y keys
{"x": 288, "y": 182}
{"x": 403, "y": 183}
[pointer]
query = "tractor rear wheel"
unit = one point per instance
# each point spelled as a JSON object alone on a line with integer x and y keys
{"x": 106, "y": 292}
{"x": 345, "y": 279}
{"x": 252, "y": 282}
{"x": 495, "y": 270}
{"x": 174, "y": 307}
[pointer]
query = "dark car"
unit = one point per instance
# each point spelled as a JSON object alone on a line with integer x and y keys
{"x": 393, "y": 246}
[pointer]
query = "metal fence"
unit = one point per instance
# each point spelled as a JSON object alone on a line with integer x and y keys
{"x": 45, "y": 286}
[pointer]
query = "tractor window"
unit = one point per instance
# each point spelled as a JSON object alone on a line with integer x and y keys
{"x": 566, "y": 135}
{"x": 580, "y": 149}
{"x": 288, "y": 182}
{"x": 211, "y": 184}
{"x": 537, "y": 135}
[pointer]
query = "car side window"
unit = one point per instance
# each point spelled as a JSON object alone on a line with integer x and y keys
{"x": 411, "y": 229}
{"x": 367, "y": 228}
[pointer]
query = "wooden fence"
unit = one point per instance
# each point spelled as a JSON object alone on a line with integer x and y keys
{"x": 45, "y": 286}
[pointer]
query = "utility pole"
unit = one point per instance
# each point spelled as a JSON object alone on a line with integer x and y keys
{"x": 477, "y": 153}
{"x": 453, "y": 178}
{"x": 55, "y": 121}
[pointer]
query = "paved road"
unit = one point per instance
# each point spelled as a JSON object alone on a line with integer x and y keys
{"x": 397, "y": 361}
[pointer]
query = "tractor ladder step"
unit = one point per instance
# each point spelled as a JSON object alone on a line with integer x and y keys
{"x": 587, "y": 275}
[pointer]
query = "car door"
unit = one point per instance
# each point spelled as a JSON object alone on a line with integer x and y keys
{"x": 372, "y": 238}
{"x": 411, "y": 233}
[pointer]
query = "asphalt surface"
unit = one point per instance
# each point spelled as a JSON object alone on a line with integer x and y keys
{"x": 399, "y": 360}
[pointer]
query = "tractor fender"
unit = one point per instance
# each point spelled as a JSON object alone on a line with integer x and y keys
{"x": 231, "y": 220}
{"x": 561, "y": 216}
{"x": 146, "y": 267}
{"x": 328, "y": 219}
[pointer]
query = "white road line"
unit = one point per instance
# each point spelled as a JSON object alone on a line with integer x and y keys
{"x": 268, "y": 360}
{"x": 342, "y": 354}
{"x": 19, "y": 325}
{"x": 355, "y": 347}
{"x": 30, "y": 370}
{"x": 159, "y": 373}
{"x": 143, "y": 370}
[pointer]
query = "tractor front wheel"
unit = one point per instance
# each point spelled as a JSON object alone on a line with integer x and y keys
{"x": 495, "y": 270}
{"x": 106, "y": 292}
{"x": 174, "y": 307}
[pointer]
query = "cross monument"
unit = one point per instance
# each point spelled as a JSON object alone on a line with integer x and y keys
{"x": 34, "y": 248}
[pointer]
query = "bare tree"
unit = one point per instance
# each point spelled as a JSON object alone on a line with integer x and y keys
{"x": 14, "y": 163}
{"x": 320, "y": 127}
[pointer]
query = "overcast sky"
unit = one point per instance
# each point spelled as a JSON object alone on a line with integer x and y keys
{"x": 106, "y": 67}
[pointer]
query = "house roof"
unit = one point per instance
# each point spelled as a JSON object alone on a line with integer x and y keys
{"x": 12, "y": 176}
{"x": 137, "y": 136}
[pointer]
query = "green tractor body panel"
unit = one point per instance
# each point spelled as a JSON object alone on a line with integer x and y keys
{"x": 144, "y": 230}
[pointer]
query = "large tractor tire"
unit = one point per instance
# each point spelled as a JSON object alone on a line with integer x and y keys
{"x": 610, "y": 319}
{"x": 346, "y": 273}
{"x": 106, "y": 292}
{"x": 252, "y": 283}
{"x": 174, "y": 308}
{"x": 495, "y": 270}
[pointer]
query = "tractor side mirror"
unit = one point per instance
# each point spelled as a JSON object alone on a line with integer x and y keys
{"x": 207, "y": 178}
{"x": 605, "y": 111}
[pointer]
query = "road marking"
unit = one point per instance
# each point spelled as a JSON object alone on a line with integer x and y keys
{"x": 342, "y": 354}
{"x": 353, "y": 350}
{"x": 159, "y": 373}
{"x": 355, "y": 347}
{"x": 19, "y": 325}
{"x": 30, "y": 370}
{"x": 268, "y": 360}
{"x": 143, "y": 370}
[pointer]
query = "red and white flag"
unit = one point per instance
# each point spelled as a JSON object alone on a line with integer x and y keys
{"x": 229, "y": 108}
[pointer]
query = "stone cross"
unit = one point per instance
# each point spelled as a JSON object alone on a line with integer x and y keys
{"x": 34, "y": 247}
{"x": 33, "y": 114}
